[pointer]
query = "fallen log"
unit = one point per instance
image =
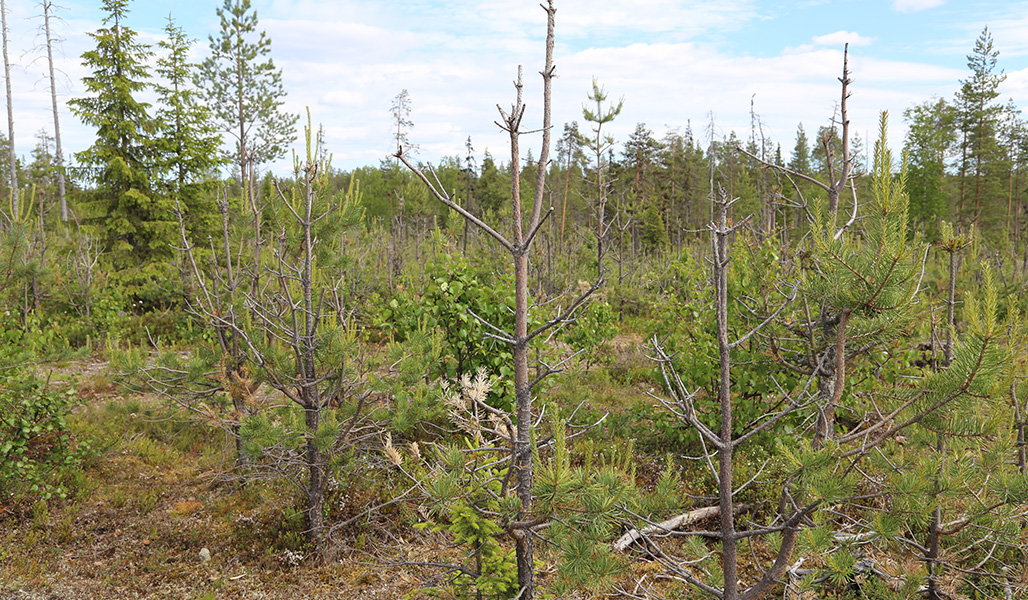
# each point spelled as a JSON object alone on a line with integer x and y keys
{"x": 672, "y": 524}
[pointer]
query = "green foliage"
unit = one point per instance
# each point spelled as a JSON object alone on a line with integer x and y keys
{"x": 591, "y": 332}
{"x": 36, "y": 446}
{"x": 189, "y": 142}
{"x": 415, "y": 401}
{"x": 136, "y": 225}
{"x": 244, "y": 89}
{"x": 683, "y": 323}
{"x": 654, "y": 232}
{"x": 266, "y": 433}
{"x": 464, "y": 486}
{"x": 452, "y": 295}
{"x": 979, "y": 366}
{"x": 30, "y": 339}
{"x": 471, "y": 495}
{"x": 929, "y": 137}
{"x": 982, "y": 162}
{"x": 876, "y": 275}
{"x": 490, "y": 571}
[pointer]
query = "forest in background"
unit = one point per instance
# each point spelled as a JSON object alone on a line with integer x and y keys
{"x": 655, "y": 367}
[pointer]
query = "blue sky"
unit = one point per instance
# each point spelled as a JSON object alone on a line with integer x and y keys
{"x": 673, "y": 61}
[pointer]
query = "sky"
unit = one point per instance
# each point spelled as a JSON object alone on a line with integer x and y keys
{"x": 675, "y": 63}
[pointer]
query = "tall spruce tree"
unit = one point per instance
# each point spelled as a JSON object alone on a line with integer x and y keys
{"x": 800, "y": 161}
{"x": 136, "y": 226}
{"x": 190, "y": 142}
{"x": 245, "y": 91}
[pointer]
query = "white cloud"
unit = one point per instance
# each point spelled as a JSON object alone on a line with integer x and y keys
{"x": 911, "y": 6}
{"x": 670, "y": 84}
{"x": 842, "y": 37}
{"x": 458, "y": 58}
{"x": 1009, "y": 28}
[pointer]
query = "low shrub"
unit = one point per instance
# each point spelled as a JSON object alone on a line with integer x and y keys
{"x": 35, "y": 443}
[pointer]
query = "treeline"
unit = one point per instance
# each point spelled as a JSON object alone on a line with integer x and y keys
{"x": 964, "y": 159}
{"x": 155, "y": 171}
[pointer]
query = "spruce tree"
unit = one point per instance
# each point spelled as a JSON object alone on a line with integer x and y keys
{"x": 136, "y": 226}
{"x": 189, "y": 144}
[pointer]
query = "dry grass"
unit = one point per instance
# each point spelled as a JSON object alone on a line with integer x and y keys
{"x": 141, "y": 512}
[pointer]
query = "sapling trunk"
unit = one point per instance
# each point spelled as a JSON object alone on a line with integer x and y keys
{"x": 729, "y": 546}
{"x": 518, "y": 245}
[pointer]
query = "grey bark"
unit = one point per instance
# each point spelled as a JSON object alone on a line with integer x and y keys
{"x": 831, "y": 376}
{"x": 518, "y": 246}
{"x": 47, "y": 9}
{"x": 729, "y": 553}
{"x": 10, "y": 115}
{"x": 724, "y": 441}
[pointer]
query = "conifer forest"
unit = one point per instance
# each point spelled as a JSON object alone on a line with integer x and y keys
{"x": 669, "y": 366}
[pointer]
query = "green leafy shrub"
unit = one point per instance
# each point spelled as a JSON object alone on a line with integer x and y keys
{"x": 35, "y": 443}
{"x": 691, "y": 335}
{"x": 451, "y": 297}
{"x": 592, "y": 333}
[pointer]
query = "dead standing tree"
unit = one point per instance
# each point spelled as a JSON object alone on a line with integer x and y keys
{"x": 518, "y": 244}
{"x": 830, "y": 322}
{"x": 48, "y": 9}
{"x": 838, "y": 180}
{"x": 13, "y": 162}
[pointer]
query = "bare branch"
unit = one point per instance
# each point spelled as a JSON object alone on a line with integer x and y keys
{"x": 445, "y": 199}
